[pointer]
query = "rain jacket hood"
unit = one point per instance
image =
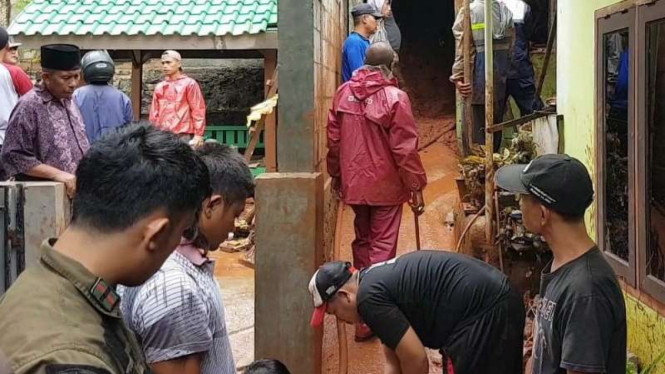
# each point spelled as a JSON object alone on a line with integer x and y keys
{"x": 373, "y": 141}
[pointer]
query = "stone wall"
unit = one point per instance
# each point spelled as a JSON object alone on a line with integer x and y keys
{"x": 230, "y": 87}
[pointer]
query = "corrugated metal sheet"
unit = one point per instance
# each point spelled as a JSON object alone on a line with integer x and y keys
{"x": 146, "y": 17}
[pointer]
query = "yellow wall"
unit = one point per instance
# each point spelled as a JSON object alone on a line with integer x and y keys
{"x": 575, "y": 100}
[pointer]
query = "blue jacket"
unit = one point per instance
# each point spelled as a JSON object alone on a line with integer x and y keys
{"x": 353, "y": 55}
{"x": 104, "y": 108}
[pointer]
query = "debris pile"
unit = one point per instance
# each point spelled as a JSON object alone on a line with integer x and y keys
{"x": 244, "y": 236}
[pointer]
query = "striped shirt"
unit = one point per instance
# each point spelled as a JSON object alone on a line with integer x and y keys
{"x": 179, "y": 312}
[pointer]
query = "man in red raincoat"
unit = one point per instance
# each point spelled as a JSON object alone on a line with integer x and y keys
{"x": 373, "y": 158}
{"x": 177, "y": 104}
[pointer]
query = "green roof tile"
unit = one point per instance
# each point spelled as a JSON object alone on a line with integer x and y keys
{"x": 147, "y": 17}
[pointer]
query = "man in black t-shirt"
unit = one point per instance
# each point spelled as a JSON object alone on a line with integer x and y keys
{"x": 440, "y": 300}
{"x": 581, "y": 316}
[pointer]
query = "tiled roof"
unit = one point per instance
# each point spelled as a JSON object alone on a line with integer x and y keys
{"x": 146, "y": 17}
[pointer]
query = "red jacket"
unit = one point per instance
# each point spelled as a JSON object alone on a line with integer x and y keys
{"x": 373, "y": 142}
{"x": 178, "y": 106}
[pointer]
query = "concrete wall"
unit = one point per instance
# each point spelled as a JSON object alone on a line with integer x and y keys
{"x": 576, "y": 100}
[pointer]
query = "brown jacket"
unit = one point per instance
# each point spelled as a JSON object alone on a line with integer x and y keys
{"x": 60, "y": 318}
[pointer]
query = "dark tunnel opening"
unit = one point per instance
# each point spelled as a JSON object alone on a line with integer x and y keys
{"x": 427, "y": 55}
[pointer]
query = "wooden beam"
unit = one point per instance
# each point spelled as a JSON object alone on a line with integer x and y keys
{"x": 520, "y": 121}
{"x": 137, "y": 83}
{"x": 270, "y": 139}
{"x": 255, "y": 135}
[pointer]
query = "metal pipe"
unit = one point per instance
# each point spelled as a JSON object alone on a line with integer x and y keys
{"x": 489, "y": 121}
{"x": 467, "y": 124}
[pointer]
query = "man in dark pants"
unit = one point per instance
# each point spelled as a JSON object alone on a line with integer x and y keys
{"x": 502, "y": 32}
{"x": 440, "y": 300}
{"x": 581, "y": 316}
{"x": 521, "y": 83}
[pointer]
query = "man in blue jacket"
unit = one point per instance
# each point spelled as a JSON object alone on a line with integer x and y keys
{"x": 365, "y": 19}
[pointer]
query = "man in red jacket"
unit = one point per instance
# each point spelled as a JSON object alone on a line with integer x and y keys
{"x": 373, "y": 158}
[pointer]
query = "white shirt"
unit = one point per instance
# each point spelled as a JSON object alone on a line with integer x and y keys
{"x": 8, "y": 100}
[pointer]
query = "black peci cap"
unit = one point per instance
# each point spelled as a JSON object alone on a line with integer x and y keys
{"x": 560, "y": 182}
{"x": 63, "y": 57}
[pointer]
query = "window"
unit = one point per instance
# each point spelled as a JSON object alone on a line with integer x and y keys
{"x": 616, "y": 223}
{"x": 631, "y": 143}
{"x": 651, "y": 119}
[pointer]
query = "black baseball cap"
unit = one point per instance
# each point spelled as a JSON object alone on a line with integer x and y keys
{"x": 364, "y": 9}
{"x": 560, "y": 182}
{"x": 325, "y": 283}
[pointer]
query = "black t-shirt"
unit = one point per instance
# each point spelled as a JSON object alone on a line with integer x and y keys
{"x": 581, "y": 322}
{"x": 433, "y": 292}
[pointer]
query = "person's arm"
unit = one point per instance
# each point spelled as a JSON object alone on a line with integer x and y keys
{"x": 458, "y": 33}
{"x": 355, "y": 55}
{"x": 184, "y": 365}
{"x": 411, "y": 354}
{"x": 48, "y": 172}
{"x": 587, "y": 325}
{"x": 392, "y": 362}
{"x": 334, "y": 138}
{"x": 177, "y": 330}
{"x": 154, "y": 107}
{"x": 403, "y": 141}
{"x": 67, "y": 361}
{"x": 197, "y": 108}
{"x": 129, "y": 110}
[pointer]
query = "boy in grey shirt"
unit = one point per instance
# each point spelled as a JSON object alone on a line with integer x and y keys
{"x": 178, "y": 315}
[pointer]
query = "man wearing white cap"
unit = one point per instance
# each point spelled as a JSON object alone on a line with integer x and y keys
{"x": 22, "y": 82}
{"x": 177, "y": 104}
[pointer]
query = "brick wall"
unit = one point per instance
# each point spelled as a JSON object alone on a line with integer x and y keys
{"x": 330, "y": 31}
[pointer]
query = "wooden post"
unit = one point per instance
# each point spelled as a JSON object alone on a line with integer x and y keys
{"x": 137, "y": 83}
{"x": 270, "y": 139}
{"x": 489, "y": 122}
{"x": 467, "y": 124}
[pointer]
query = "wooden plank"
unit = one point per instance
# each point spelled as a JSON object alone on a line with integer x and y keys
{"x": 137, "y": 83}
{"x": 270, "y": 139}
{"x": 260, "y": 125}
{"x": 519, "y": 121}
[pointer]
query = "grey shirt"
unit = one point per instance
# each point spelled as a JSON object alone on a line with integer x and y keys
{"x": 179, "y": 312}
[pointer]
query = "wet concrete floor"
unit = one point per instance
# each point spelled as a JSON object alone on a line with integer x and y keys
{"x": 440, "y": 196}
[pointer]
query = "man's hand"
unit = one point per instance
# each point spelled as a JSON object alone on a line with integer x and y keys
{"x": 337, "y": 187}
{"x": 197, "y": 141}
{"x": 464, "y": 89}
{"x": 417, "y": 202}
{"x": 69, "y": 181}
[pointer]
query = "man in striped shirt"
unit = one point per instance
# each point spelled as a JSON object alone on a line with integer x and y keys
{"x": 178, "y": 314}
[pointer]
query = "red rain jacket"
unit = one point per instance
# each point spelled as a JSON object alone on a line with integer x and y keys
{"x": 373, "y": 142}
{"x": 178, "y": 106}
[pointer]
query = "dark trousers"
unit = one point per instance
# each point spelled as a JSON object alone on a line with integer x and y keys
{"x": 523, "y": 91}
{"x": 377, "y": 231}
{"x": 492, "y": 343}
{"x": 479, "y": 125}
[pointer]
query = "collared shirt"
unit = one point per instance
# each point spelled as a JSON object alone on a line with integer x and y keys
{"x": 44, "y": 130}
{"x": 59, "y": 316}
{"x": 353, "y": 55}
{"x": 104, "y": 108}
{"x": 8, "y": 99}
{"x": 178, "y": 106}
{"x": 179, "y": 312}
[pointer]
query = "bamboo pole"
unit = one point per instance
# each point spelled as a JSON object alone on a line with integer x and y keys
{"x": 467, "y": 124}
{"x": 489, "y": 121}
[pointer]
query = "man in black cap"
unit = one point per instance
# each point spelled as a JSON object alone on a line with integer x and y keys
{"x": 46, "y": 137}
{"x": 365, "y": 19}
{"x": 447, "y": 301}
{"x": 581, "y": 316}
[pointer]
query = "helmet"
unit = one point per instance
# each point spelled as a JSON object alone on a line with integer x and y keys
{"x": 97, "y": 67}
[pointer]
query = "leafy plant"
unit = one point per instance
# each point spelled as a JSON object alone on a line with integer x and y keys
{"x": 20, "y": 5}
{"x": 651, "y": 369}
